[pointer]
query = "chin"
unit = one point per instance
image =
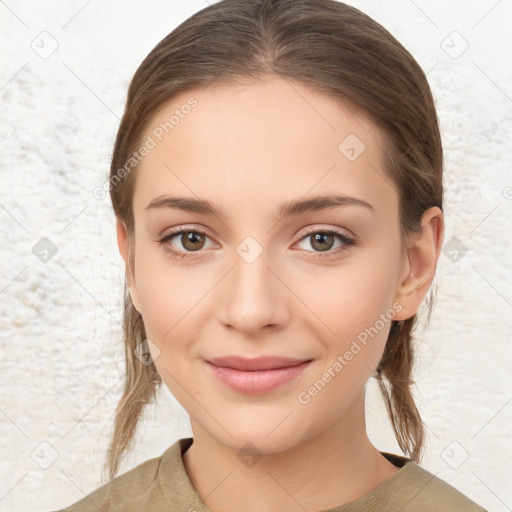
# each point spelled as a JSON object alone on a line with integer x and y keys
{"x": 255, "y": 440}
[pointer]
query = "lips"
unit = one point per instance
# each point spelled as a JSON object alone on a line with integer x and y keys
{"x": 256, "y": 376}
{"x": 256, "y": 364}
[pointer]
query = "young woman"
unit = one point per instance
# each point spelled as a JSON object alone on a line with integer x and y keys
{"x": 277, "y": 183}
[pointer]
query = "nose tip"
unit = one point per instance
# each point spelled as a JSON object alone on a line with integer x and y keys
{"x": 252, "y": 298}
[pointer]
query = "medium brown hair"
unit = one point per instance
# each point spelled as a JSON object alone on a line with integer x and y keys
{"x": 331, "y": 48}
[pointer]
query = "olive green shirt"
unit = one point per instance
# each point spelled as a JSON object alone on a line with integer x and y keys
{"x": 162, "y": 485}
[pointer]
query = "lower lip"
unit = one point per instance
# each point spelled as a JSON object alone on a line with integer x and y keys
{"x": 259, "y": 381}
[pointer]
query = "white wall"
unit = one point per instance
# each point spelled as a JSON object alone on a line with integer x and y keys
{"x": 61, "y": 360}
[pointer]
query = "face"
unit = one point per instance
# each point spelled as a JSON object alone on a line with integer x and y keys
{"x": 260, "y": 277}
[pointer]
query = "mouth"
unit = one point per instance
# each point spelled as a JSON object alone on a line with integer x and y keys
{"x": 256, "y": 376}
{"x": 256, "y": 364}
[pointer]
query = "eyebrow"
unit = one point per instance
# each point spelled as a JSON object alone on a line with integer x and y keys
{"x": 293, "y": 207}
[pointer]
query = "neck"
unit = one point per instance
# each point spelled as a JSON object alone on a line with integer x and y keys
{"x": 337, "y": 466}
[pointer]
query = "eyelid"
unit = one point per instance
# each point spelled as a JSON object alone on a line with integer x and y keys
{"x": 306, "y": 231}
{"x": 185, "y": 227}
{"x": 323, "y": 229}
{"x": 177, "y": 230}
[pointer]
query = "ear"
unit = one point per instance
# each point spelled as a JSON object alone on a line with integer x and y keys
{"x": 420, "y": 263}
{"x": 123, "y": 242}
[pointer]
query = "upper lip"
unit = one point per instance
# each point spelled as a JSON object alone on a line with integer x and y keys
{"x": 257, "y": 363}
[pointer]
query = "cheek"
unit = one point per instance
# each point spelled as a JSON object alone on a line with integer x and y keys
{"x": 355, "y": 311}
{"x": 347, "y": 299}
{"x": 171, "y": 297}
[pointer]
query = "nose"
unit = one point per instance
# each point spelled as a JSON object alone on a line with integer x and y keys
{"x": 253, "y": 297}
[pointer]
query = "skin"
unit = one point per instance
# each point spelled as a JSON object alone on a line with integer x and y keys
{"x": 248, "y": 148}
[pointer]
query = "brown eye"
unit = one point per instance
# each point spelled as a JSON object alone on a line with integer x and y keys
{"x": 322, "y": 241}
{"x": 182, "y": 243}
{"x": 328, "y": 241}
{"x": 192, "y": 241}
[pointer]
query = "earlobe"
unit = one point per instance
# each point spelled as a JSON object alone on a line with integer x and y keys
{"x": 422, "y": 257}
{"x": 123, "y": 243}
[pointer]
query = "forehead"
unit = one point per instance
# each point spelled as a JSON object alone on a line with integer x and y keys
{"x": 273, "y": 138}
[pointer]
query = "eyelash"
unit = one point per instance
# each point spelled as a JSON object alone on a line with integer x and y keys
{"x": 346, "y": 240}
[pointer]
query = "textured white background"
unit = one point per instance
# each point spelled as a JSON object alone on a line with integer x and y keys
{"x": 61, "y": 355}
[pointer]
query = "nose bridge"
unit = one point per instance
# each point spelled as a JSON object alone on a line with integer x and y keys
{"x": 254, "y": 297}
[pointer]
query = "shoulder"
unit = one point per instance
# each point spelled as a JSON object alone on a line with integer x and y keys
{"x": 137, "y": 486}
{"x": 418, "y": 489}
